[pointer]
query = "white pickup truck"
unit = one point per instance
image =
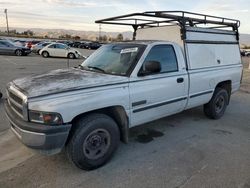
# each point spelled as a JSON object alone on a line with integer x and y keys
{"x": 89, "y": 109}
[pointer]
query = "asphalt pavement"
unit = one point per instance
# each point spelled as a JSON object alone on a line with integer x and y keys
{"x": 183, "y": 150}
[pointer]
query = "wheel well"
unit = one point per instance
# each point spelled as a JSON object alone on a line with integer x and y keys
{"x": 117, "y": 113}
{"x": 45, "y": 51}
{"x": 19, "y": 50}
{"x": 227, "y": 85}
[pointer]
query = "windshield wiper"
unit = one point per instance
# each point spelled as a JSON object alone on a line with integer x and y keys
{"x": 96, "y": 68}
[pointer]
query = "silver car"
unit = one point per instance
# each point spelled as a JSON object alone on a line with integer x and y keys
{"x": 7, "y": 47}
{"x": 36, "y": 48}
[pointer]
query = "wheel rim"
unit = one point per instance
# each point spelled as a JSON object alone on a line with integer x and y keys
{"x": 45, "y": 54}
{"x": 18, "y": 53}
{"x": 96, "y": 144}
{"x": 71, "y": 56}
{"x": 219, "y": 104}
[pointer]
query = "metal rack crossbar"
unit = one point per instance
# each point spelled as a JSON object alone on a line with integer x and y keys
{"x": 164, "y": 18}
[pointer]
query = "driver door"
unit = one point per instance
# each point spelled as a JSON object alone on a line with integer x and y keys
{"x": 61, "y": 50}
{"x": 160, "y": 94}
{"x": 5, "y": 48}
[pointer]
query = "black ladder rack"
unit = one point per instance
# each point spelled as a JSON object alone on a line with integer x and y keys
{"x": 163, "y": 18}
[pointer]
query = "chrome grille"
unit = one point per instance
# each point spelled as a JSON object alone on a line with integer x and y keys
{"x": 15, "y": 98}
{"x": 17, "y": 101}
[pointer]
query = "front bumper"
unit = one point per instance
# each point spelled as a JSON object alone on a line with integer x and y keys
{"x": 45, "y": 139}
{"x": 26, "y": 52}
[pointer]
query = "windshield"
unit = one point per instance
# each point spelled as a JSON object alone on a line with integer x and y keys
{"x": 117, "y": 59}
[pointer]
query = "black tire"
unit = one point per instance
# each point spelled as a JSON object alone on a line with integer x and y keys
{"x": 216, "y": 107}
{"x": 71, "y": 56}
{"x": 1, "y": 95}
{"x": 19, "y": 52}
{"x": 45, "y": 54}
{"x": 84, "y": 148}
{"x": 37, "y": 52}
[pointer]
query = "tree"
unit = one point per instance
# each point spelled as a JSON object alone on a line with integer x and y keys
{"x": 28, "y": 33}
{"x": 119, "y": 37}
{"x": 67, "y": 36}
{"x": 104, "y": 38}
{"x": 76, "y": 38}
{"x": 13, "y": 31}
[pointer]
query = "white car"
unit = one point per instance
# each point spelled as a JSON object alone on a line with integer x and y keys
{"x": 59, "y": 50}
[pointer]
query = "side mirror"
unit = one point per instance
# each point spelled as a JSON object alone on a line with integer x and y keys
{"x": 150, "y": 67}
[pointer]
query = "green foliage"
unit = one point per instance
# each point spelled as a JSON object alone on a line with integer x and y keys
{"x": 119, "y": 37}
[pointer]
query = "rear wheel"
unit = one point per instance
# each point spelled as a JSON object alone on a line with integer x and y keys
{"x": 71, "y": 56}
{"x": 45, "y": 54}
{"x": 93, "y": 141}
{"x": 216, "y": 107}
{"x": 19, "y": 52}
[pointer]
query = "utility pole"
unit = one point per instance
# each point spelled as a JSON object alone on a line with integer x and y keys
{"x": 6, "y": 14}
{"x": 100, "y": 31}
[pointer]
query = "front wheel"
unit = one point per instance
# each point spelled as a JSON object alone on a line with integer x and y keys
{"x": 71, "y": 56}
{"x": 216, "y": 107}
{"x": 45, "y": 54}
{"x": 19, "y": 53}
{"x": 93, "y": 141}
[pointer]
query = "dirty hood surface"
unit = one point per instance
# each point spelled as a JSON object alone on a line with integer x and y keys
{"x": 63, "y": 80}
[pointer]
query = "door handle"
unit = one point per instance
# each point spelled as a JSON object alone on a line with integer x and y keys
{"x": 180, "y": 80}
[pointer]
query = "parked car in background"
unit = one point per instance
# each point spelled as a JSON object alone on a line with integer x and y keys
{"x": 82, "y": 45}
{"x": 92, "y": 45}
{"x": 10, "y": 48}
{"x": 247, "y": 53}
{"x": 36, "y": 48}
{"x": 242, "y": 52}
{"x": 59, "y": 50}
{"x": 30, "y": 43}
{"x": 19, "y": 42}
{"x": 64, "y": 41}
{"x": 75, "y": 44}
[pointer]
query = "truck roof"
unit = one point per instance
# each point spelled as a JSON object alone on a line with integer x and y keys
{"x": 183, "y": 19}
{"x": 162, "y": 18}
{"x": 145, "y": 42}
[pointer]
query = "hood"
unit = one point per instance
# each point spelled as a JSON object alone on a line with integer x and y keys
{"x": 63, "y": 80}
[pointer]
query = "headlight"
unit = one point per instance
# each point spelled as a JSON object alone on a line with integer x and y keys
{"x": 49, "y": 118}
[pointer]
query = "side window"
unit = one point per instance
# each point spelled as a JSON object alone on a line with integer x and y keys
{"x": 165, "y": 55}
{"x": 60, "y": 46}
{"x": 2, "y": 44}
{"x": 52, "y": 46}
